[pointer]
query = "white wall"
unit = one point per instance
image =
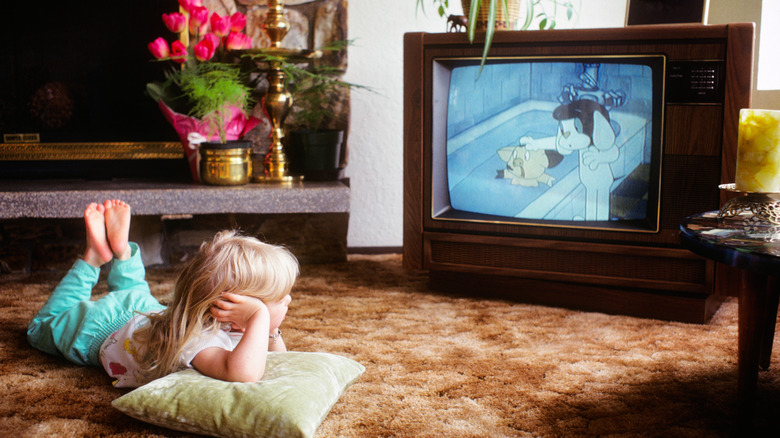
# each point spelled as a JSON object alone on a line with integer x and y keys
{"x": 730, "y": 11}
{"x": 376, "y": 146}
{"x": 375, "y": 165}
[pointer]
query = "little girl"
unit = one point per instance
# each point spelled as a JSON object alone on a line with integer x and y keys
{"x": 224, "y": 317}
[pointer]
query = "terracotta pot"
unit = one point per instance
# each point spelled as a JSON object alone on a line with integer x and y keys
{"x": 505, "y": 20}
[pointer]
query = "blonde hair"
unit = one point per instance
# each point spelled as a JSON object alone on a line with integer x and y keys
{"x": 231, "y": 262}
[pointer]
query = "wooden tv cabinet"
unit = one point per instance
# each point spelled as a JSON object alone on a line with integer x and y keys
{"x": 646, "y": 273}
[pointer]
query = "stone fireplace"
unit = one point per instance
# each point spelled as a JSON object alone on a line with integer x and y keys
{"x": 62, "y": 102}
{"x": 40, "y": 225}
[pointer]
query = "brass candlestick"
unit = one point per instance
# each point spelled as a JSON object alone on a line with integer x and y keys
{"x": 764, "y": 207}
{"x": 277, "y": 101}
{"x": 276, "y": 26}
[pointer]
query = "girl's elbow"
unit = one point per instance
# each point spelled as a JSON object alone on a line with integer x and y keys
{"x": 247, "y": 376}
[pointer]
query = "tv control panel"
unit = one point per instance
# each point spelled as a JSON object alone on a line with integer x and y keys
{"x": 694, "y": 82}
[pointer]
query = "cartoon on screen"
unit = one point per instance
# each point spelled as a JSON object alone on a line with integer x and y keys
{"x": 571, "y": 143}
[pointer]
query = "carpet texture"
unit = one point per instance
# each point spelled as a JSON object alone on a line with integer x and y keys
{"x": 437, "y": 365}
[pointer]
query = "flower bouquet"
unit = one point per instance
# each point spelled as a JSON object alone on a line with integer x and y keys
{"x": 206, "y": 96}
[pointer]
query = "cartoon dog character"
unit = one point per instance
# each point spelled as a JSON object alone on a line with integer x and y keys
{"x": 527, "y": 167}
{"x": 584, "y": 126}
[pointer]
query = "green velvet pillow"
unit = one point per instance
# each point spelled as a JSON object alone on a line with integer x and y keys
{"x": 294, "y": 396}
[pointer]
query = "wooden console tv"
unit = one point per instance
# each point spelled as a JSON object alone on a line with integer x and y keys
{"x": 636, "y": 271}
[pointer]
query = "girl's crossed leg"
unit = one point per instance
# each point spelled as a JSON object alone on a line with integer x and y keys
{"x": 117, "y": 214}
{"x": 77, "y": 284}
{"x": 72, "y": 325}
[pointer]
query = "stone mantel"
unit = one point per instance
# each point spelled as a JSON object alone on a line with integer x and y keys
{"x": 67, "y": 198}
{"x": 42, "y": 226}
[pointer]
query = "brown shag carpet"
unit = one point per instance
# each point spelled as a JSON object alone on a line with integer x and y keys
{"x": 436, "y": 365}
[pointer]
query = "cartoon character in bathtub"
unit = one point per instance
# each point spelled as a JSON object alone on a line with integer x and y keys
{"x": 584, "y": 126}
{"x": 528, "y": 167}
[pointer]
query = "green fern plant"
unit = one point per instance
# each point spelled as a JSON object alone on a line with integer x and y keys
{"x": 213, "y": 89}
{"x": 313, "y": 90}
{"x": 205, "y": 91}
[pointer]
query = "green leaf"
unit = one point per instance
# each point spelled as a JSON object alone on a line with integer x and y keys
{"x": 155, "y": 90}
{"x": 489, "y": 32}
{"x": 529, "y": 14}
{"x": 473, "y": 11}
{"x": 441, "y": 9}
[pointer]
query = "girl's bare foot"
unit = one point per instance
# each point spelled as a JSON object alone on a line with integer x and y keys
{"x": 98, "y": 251}
{"x": 118, "y": 227}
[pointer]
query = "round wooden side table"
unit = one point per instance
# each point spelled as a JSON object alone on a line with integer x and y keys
{"x": 753, "y": 245}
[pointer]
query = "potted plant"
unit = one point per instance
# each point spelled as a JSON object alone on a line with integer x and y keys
{"x": 316, "y": 135}
{"x": 491, "y": 15}
{"x": 316, "y": 127}
{"x": 206, "y": 96}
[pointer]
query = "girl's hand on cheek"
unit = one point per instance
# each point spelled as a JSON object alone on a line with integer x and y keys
{"x": 238, "y": 310}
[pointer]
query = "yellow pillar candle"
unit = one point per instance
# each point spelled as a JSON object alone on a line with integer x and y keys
{"x": 758, "y": 151}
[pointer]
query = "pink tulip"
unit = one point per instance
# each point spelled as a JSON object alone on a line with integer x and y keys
{"x": 199, "y": 16}
{"x": 237, "y": 22}
{"x": 159, "y": 48}
{"x": 189, "y": 5}
{"x": 204, "y": 50}
{"x": 238, "y": 41}
{"x": 215, "y": 40}
{"x": 179, "y": 52}
{"x": 220, "y": 25}
{"x": 176, "y": 22}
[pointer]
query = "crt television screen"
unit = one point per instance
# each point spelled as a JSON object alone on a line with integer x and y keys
{"x": 568, "y": 141}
